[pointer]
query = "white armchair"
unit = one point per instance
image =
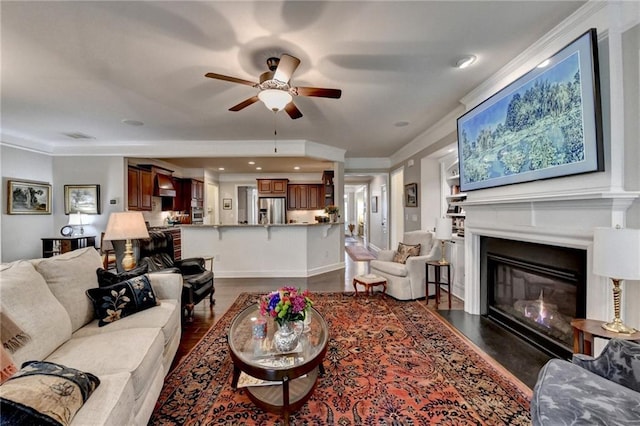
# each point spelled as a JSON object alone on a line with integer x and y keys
{"x": 406, "y": 281}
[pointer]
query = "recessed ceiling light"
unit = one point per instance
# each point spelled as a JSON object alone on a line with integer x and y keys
{"x": 132, "y": 122}
{"x": 296, "y": 168}
{"x": 401, "y": 123}
{"x": 258, "y": 168}
{"x": 465, "y": 61}
{"x": 221, "y": 168}
{"x": 252, "y": 162}
{"x": 544, "y": 63}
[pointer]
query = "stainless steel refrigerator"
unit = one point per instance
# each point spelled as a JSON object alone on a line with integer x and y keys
{"x": 272, "y": 210}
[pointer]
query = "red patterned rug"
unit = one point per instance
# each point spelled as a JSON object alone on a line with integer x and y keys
{"x": 388, "y": 363}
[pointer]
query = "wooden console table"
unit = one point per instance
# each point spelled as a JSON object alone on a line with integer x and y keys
{"x": 584, "y": 330}
{"x": 59, "y": 245}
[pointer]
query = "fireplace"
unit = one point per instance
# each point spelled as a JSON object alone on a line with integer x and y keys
{"x": 534, "y": 290}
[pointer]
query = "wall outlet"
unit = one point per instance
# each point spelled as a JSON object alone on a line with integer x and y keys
{"x": 113, "y": 201}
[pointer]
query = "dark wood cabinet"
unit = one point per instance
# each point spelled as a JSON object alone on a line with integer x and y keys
{"x": 327, "y": 182}
{"x": 305, "y": 197}
{"x": 272, "y": 187}
{"x": 139, "y": 189}
{"x": 56, "y": 246}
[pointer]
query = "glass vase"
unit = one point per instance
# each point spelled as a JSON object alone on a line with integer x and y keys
{"x": 285, "y": 339}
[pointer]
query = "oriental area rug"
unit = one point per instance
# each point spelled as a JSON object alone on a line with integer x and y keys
{"x": 359, "y": 253}
{"x": 388, "y": 363}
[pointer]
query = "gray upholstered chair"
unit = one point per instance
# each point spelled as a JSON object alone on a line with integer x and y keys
{"x": 406, "y": 281}
{"x": 590, "y": 391}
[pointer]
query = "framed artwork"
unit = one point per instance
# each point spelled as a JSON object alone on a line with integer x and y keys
{"x": 226, "y": 204}
{"x": 411, "y": 195}
{"x": 374, "y": 204}
{"x": 82, "y": 199}
{"x": 26, "y": 197}
{"x": 546, "y": 124}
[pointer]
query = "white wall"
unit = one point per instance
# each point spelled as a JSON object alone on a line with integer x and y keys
{"x": 108, "y": 172}
{"x": 20, "y": 234}
{"x": 430, "y": 193}
{"x": 377, "y": 238}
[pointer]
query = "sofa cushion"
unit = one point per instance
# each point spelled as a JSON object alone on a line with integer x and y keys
{"x": 28, "y": 300}
{"x": 106, "y": 278}
{"x": 404, "y": 251}
{"x": 69, "y": 276}
{"x": 165, "y": 316}
{"x": 120, "y": 300}
{"x": 111, "y": 403}
{"x": 45, "y": 393}
{"x": 137, "y": 351}
{"x": 392, "y": 268}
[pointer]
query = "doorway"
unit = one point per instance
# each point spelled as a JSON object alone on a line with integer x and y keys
{"x": 396, "y": 205}
{"x": 212, "y": 215}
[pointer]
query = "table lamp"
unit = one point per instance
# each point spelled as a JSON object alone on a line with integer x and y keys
{"x": 444, "y": 226}
{"x": 75, "y": 220}
{"x": 126, "y": 226}
{"x": 616, "y": 255}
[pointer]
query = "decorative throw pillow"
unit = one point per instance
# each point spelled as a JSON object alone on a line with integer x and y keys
{"x": 45, "y": 393}
{"x": 404, "y": 251}
{"x": 123, "y": 299}
{"x": 106, "y": 278}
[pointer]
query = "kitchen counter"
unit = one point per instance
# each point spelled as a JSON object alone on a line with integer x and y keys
{"x": 245, "y": 225}
{"x": 279, "y": 250}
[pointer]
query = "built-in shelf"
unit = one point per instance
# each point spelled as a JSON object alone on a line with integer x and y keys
{"x": 452, "y": 197}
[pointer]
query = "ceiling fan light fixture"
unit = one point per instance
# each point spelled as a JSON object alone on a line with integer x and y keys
{"x": 275, "y": 99}
{"x": 465, "y": 61}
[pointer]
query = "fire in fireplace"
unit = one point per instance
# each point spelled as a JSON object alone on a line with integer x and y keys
{"x": 534, "y": 290}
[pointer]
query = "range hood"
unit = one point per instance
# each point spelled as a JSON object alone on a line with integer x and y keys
{"x": 163, "y": 186}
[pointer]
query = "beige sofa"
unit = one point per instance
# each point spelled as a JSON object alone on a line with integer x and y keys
{"x": 407, "y": 281}
{"x": 46, "y": 299}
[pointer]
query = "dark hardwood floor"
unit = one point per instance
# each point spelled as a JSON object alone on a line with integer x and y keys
{"x": 522, "y": 359}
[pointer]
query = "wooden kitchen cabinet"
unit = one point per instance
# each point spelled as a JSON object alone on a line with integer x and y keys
{"x": 305, "y": 197}
{"x": 272, "y": 187}
{"x": 139, "y": 189}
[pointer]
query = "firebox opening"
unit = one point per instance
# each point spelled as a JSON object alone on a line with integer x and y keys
{"x": 534, "y": 291}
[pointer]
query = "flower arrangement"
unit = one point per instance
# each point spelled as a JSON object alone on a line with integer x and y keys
{"x": 331, "y": 209}
{"x": 286, "y": 304}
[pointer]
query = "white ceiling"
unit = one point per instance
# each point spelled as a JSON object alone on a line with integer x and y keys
{"x": 83, "y": 67}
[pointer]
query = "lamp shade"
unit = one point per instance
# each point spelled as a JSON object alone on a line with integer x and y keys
{"x": 75, "y": 219}
{"x": 275, "y": 99}
{"x": 126, "y": 226}
{"x": 444, "y": 227}
{"x": 616, "y": 253}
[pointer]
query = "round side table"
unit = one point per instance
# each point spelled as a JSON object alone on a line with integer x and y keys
{"x": 584, "y": 330}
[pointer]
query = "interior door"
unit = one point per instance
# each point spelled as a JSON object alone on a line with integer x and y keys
{"x": 212, "y": 214}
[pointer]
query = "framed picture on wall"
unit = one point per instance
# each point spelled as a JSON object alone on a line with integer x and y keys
{"x": 374, "y": 204}
{"x": 27, "y": 197}
{"x": 83, "y": 199}
{"x": 226, "y": 204}
{"x": 411, "y": 195}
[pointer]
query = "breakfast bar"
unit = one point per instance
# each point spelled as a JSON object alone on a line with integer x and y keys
{"x": 283, "y": 250}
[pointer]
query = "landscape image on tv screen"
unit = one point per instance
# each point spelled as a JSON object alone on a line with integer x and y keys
{"x": 530, "y": 129}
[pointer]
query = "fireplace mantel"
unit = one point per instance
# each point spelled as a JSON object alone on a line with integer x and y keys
{"x": 563, "y": 219}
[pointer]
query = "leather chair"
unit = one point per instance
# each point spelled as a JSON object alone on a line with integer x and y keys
{"x": 157, "y": 253}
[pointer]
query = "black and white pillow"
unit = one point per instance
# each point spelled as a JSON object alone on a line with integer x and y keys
{"x": 117, "y": 301}
{"x": 45, "y": 393}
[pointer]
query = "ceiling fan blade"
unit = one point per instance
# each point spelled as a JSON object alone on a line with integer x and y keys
{"x": 244, "y": 104}
{"x": 231, "y": 79}
{"x": 286, "y": 67}
{"x": 293, "y": 110}
{"x": 318, "y": 92}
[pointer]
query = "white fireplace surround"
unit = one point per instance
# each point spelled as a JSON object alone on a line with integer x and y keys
{"x": 565, "y": 220}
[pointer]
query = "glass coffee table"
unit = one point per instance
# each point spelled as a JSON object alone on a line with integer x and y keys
{"x": 292, "y": 375}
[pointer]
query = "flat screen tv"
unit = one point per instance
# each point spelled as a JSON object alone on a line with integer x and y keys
{"x": 546, "y": 124}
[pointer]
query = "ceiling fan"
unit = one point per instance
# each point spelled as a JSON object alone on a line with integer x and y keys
{"x": 274, "y": 89}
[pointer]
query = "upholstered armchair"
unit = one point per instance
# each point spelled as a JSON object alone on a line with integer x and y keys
{"x": 157, "y": 253}
{"x": 406, "y": 281}
{"x": 590, "y": 391}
